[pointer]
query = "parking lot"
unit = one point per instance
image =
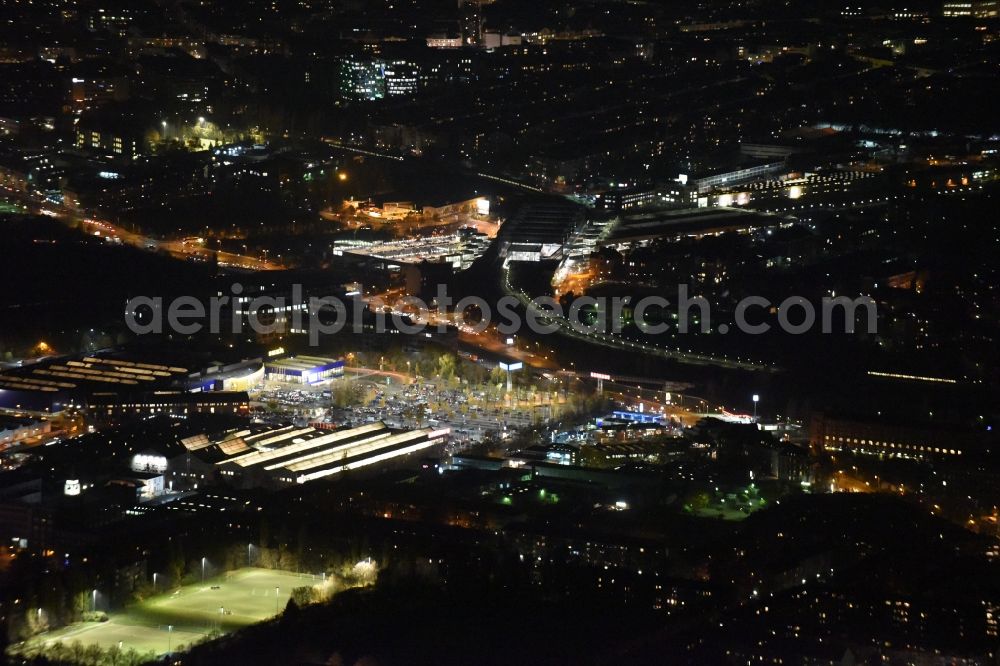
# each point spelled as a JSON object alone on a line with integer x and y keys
{"x": 471, "y": 412}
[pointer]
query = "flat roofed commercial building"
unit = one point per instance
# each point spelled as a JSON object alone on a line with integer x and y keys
{"x": 643, "y": 228}
{"x": 53, "y": 384}
{"x": 56, "y": 383}
{"x": 304, "y": 369}
{"x": 242, "y": 376}
{"x": 458, "y": 250}
{"x": 914, "y": 441}
{"x": 118, "y": 406}
{"x": 65, "y": 374}
{"x": 540, "y": 231}
{"x": 741, "y": 175}
{"x": 291, "y": 454}
{"x": 16, "y": 429}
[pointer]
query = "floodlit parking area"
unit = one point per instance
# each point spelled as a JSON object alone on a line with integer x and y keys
{"x": 470, "y": 412}
{"x": 177, "y": 618}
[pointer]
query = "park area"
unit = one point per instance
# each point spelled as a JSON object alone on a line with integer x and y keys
{"x": 177, "y": 618}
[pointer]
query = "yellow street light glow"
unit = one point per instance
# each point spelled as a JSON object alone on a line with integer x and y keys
{"x": 897, "y": 375}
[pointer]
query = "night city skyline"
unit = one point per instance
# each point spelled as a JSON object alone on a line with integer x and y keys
{"x": 482, "y": 332}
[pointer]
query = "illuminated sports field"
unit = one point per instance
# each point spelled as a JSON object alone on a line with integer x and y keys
{"x": 248, "y": 596}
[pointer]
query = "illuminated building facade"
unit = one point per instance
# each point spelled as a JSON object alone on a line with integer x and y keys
{"x": 370, "y": 79}
{"x": 402, "y": 78}
{"x": 112, "y": 407}
{"x": 868, "y": 437}
{"x": 707, "y": 183}
{"x": 15, "y": 430}
{"x": 293, "y": 455}
{"x": 971, "y": 9}
{"x": 304, "y": 369}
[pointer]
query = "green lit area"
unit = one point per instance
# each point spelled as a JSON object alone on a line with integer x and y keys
{"x": 179, "y": 617}
{"x": 726, "y": 505}
{"x": 7, "y": 208}
{"x": 527, "y": 494}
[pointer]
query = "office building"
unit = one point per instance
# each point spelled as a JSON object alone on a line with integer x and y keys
{"x": 980, "y": 9}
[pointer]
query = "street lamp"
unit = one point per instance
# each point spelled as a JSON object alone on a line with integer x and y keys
{"x": 510, "y": 368}
{"x": 170, "y": 629}
{"x": 203, "y": 569}
{"x": 249, "y": 546}
{"x": 154, "y": 580}
{"x": 275, "y": 600}
{"x": 93, "y": 606}
{"x": 756, "y": 399}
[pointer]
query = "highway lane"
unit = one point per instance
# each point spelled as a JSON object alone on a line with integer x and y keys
{"x": 614, "y": 342}
{"x": 179, "y": 249}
